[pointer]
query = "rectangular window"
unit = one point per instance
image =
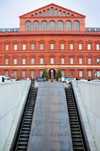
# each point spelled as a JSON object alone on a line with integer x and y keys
{"x": 6, "y": 61}
{"x": 6, "y": 73}
{"x": 62, "y": 73}
{"x": 71, "y": 60}
{"x": 41, "y": 72}
{"x": 98, "y": 61}
{"x": 23, "y": 73}
{"x": 32, "y": 60}
{"x": 32, "y": 46}
{"x": 80, "y": 46}
{"x": 89, "y": 60}
{"x": 71, "y": 46}
{"x": 52, "y": 60}
{"x": 89, "y": 73}
{"x": 97, "y": 46}
{"x": 52, "y": 46}
{"x": 15, "y": 73}
{"x": 71, "y": 73}
{"x": 15, "y": 61}
{"x": 89, "y": 46}
{"x": 15, "y": 46}
{"x": 32, "y": 74}
{"x": 80, "y": 60}
{"x": 47, "y": 12}
{"x": 24, "y": 46}
{"x": 80, "y": 73}
{"x": 62, "y": 46}
{"x": 24, "y": 61}
{"x": 98, "y": 73}
{"x": 62, "y": 60}
{"x": 41, "y": 60}
{"x": 7, "y": 47}
{"x": 41, "y": 46}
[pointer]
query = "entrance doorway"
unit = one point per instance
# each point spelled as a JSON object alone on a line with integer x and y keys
{"x": 53, "y": 73}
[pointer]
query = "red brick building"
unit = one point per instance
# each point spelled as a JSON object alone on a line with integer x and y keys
{"x": 51, "y": 37}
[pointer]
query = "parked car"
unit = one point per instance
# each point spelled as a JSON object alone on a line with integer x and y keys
{"x": 83, "y": 80}
{"x": 39, "y": 79}
{"x": 24, "y": 79}
{"x": 95, "y": 80}
{"x": 7, "y": 79}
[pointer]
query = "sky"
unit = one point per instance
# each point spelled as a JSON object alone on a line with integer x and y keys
{"x": 10, "y": 10}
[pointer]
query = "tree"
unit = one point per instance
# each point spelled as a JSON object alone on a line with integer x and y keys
{"x": 58, "y": 75}
{"x": 45, "y": 75}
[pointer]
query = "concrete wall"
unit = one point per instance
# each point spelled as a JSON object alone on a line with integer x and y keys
{"x": 10, "y": 96}
{"x": 90, "y": 94}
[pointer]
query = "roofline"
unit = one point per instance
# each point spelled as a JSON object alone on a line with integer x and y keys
{"x": 54, "y": 5}
{"x": 50, "y": 33}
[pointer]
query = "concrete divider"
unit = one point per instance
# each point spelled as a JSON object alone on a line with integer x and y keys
{"x": 90, "y": 96}
{"x": 10, "y": 96}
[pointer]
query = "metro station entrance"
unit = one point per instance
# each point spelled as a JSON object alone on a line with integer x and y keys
{"x": 53, "y": 73}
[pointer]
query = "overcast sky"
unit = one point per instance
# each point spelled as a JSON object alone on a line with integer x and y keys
{"x": 10, "y": 10}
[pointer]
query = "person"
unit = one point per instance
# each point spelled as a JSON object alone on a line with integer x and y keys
{"x": 76, "y": 78}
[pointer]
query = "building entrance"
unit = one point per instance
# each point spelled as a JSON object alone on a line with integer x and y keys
{"x": 53, "y": 73}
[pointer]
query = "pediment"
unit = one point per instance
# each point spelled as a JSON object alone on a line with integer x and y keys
{"x": 89, "y": 42}
{"x": 71, "y": 56}
{"x": 7, "y": 42}
{"x": 15, "y": 42}
{"x": 62, "y": 56}
{"x": 32, "y": 42}
{"x": 41, "y": 41}
{"x": 15, "y": 56}
{"x": 6, "y": 56}
{"x": 41, "y": 56}
{"x": 24, "y": 42}
{"x": 81, "y": 56}
{"x": 80, "y": 41}
{"x": 62, "y": 41}
{"x": 97, "y": 56}
{"x": 23, "y": 56}
{"x": 0, "y": 42}
{"x": 52, "y": 41}
{"x": 89, "y": 56}
{"x": 97, "y": 41}
{"x": 52, "y": 56}
{"x": 67, "y": 11}
{"x": 32, "y": 56}
{"x": 71, "y": 41}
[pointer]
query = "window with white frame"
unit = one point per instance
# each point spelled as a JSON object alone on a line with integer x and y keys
{"x": 89, "y": 46}
{"x": 24, "y": 61}
{"x": 15, "y": 73}
{"x": 52, "y": 46}
{"x": 98, "y": 60}
{"x": 41, "y": 72}
{"x": 71, "y": 73}
{"x": 7, "y": 47}
{"x": 71, "y": 60}
{"x": 15, "y": 46}
{"x": 6, "y": 73}
{"x": 23, "y": 73}
{"x": 89, "y": 60}
{"x": 62, "y": 60}
{"x": 97, "y": 47}
{"x": 62, "y": 46}
{"x": 80, "y": 73}
{"x": 32, "y": 46}
{"x": 15, "y": 61}
{"x": 71, "y": 46}
{"x": 41, "y": 60}
{"x": 98, "y": 73}
{"x": 32, "y": 60}
{"x": 80, "y": 60}
{"x": 62, "y": 72}
{"x": 6, "y": 61}
{"x": 52, "y": 60}
{"x": 24, "y": 46}
{"x": 89, "y": 73}
{"x": 41, "y": 46}
{"x": 32, "y": 74}
{"x": 80, "y": 46}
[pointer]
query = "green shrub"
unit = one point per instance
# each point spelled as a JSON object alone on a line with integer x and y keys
{"x": 44, "y": 75}
{"x": 58, "y": 75}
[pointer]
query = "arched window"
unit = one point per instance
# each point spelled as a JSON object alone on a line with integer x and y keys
{"x": 51, "y": 11}
{"x": 59, "y": 12}
{"x": 68, "y": 26}
{"x": 60, "y": 25}
{"x": 47, "y": 12}
{"x": 52, "y": 25}
{"x": 36, "y": 26}
{"x": 76, "y": 26}
{"x": 63, "y": 13}
{"x": 44, "y": 26}
{"x": 55, "y": 12}
{"x": 44, "y": 13}
{"x": 28, "y": 26}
